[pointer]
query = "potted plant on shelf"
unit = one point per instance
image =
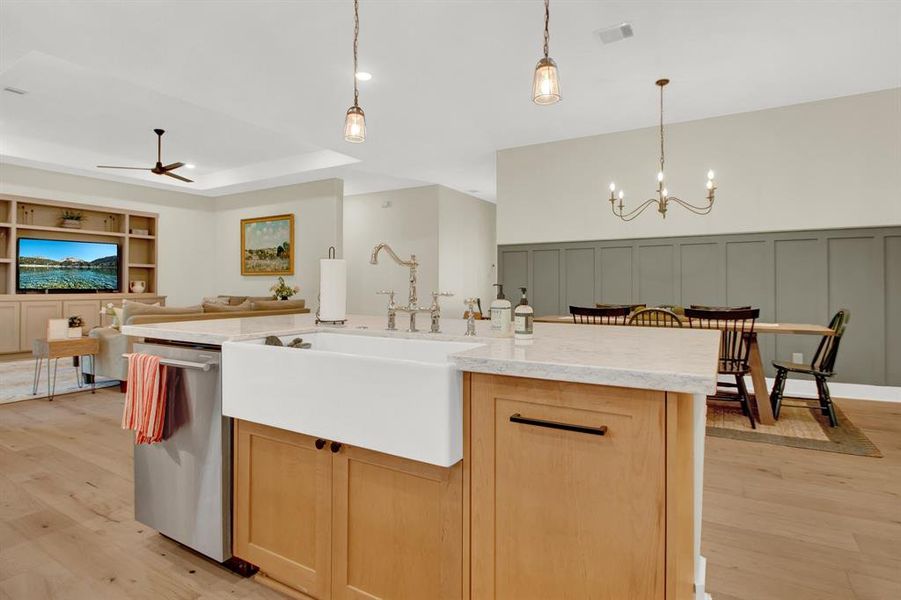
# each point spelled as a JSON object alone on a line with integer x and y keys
{"x": 282, "y": 291}
{"x": 75, "y": 326}
{"x": 72, "y": 219}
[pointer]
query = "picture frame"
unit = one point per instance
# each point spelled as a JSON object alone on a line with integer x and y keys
{"x": 267, "y": 245}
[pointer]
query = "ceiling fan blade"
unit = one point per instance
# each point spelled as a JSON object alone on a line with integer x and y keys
{"x": 132, "y": 168}
{"x": 173, "y": 166}
{"x": 179, "y": 177}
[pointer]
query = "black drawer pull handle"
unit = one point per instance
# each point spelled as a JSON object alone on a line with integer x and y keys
{"x": 320, "y": 444}
{"x": 518, "y": 418}
{"x": 335, "y": 447}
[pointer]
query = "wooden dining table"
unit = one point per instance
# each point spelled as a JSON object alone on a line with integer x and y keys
{"x": 761, "y": 396}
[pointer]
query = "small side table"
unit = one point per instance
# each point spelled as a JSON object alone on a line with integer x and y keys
{"x": 56, "y": 349}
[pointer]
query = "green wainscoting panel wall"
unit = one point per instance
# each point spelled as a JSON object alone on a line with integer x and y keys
{"x": 792, "y": 276}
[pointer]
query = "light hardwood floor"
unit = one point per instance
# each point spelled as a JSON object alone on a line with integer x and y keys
{"x": 779, "y": 523}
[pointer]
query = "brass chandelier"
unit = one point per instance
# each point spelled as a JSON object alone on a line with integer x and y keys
{"x": 663, "y": 197}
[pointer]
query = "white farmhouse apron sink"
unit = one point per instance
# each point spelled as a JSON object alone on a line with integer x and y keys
{"x": 393, "y": 395}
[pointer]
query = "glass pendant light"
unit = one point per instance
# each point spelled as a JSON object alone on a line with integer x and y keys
{"x": 355, "y": 120}
{"x": 546, "y": 83}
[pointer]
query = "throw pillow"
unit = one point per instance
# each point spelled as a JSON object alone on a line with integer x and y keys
{"x": 216, "y": 307}
{"x": 133, "y": 309}
{"x": 278, "y": 304}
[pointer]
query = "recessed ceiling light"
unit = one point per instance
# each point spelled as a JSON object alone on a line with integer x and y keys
{"x": 190, "y": 166}
{"x": 363, "y": 76}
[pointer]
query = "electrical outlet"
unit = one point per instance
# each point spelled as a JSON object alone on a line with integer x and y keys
{"x": 798, "y": 357}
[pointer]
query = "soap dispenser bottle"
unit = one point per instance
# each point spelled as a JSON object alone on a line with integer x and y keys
{"x": 522, "y": 318}
{"x": 501, "y": 312}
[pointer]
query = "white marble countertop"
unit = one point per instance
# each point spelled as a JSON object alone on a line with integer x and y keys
{"x": 677, "y": 360}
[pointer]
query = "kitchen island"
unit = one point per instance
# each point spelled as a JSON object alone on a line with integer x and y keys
{"x": 419, "y": 465}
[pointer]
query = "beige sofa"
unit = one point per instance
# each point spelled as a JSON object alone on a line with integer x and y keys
{"x": 113, "y": 344}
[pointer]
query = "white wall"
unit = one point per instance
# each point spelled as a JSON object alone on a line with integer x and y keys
{"x": 467, "y": 248}
{"x": 833, "y": 163}
{"x": 317, "y": 209}
{"x": 410, "y": 226}
{"x": 186, "y": 238}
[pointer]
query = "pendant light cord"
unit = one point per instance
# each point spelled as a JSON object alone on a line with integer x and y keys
{"x": 661, "y": 128}
{"x": 547, "y": 20}
{"x": 356, "y": 42}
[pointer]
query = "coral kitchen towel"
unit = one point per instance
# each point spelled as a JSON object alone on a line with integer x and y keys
{"x": 145, "y": 399}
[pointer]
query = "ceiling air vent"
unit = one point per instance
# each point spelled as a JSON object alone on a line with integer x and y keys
{"x": 13, "y": 90}
{"x": 616, "y": 33}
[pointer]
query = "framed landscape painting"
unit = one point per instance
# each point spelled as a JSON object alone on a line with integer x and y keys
{"x": 267, "y": 245}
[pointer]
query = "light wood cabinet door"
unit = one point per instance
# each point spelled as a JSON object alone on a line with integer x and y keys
{"x": 282, "y": 506}
{"x": 34, "y": 317}
{"x": 397, "y": 528}
{"x": 562, "y": 513}
{"x": 9, "y": 327}
{"x": 88, "y": 310}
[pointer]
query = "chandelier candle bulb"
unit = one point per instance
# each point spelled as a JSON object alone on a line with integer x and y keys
{"x": 612, "y": 187}
{"x": 710, "y": 174}
{"x": 709, "y": 184}
{"x": 660, "y": 176}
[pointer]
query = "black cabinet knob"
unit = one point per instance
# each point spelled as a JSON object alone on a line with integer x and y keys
{"x": 336, "y": 446}
{"x": 320, "y": 444}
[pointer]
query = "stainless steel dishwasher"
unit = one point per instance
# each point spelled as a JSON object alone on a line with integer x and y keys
{"x": 183, "y": 484}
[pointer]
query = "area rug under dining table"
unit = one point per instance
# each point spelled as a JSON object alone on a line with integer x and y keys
{"x": 797, "y": 428}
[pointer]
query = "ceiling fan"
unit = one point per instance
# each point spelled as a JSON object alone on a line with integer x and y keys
{"x": 159, "y": 168}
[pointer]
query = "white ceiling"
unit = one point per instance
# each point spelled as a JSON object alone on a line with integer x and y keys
{"x": 254, "y": 92}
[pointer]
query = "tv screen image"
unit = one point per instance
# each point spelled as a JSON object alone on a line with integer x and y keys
{"x": 66, "y": 265}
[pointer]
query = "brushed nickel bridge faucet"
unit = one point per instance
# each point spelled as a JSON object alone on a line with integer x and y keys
{"x": 412, "y": 306}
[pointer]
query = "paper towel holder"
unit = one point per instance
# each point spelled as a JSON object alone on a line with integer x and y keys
{"x": 331, "y": 254}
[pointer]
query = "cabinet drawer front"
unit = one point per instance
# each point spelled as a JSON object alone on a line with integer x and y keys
{"x": 568, "y": 491}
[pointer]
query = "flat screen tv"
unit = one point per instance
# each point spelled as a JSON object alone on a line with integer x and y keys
{"x": 66, "y": 266}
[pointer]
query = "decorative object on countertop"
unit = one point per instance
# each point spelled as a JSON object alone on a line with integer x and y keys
{"x": 546, "y": 81}
{"x": 282, "y": 291}
{"x": 501, "y": 312}
{"x": 663, "y": 198}
{"x": 470, "y": 316}
{"x": 272, "y": 340}
{"x": 267, "y": 245}
{"x": 139, "y": 231}
{"x": 137, "y": 286}
{"x": 72, "y": 219}
{"x": 75, "y": 326}
{"x": 523, "y": 318}
{"x": 355, "y": 119}
{"x": 412, "y": 306}
{"x": 332, "y": 289}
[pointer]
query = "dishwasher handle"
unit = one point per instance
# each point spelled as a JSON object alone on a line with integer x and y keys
{"x": 184, "y": 364}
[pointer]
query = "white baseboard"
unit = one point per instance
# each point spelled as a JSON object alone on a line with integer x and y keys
{"x": 701, "y": 579}
{"x": 803, "y": 388}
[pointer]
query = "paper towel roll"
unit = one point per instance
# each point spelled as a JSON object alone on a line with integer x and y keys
{"x": 332, "y": 289}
